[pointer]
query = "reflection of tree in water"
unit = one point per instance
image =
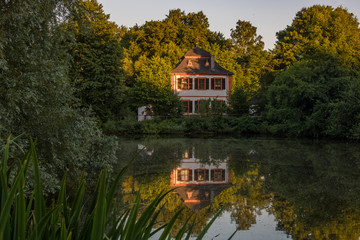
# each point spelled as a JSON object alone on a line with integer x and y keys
{"x": 242, "y": 199}
{"x": 152, "y": 172}
{"x": 295, "y": 222}
{"x": 316, "y": 188}
{"x": 312, "y": 188}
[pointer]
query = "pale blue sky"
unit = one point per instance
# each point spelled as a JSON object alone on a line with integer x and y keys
{"x": 269, "y": 16}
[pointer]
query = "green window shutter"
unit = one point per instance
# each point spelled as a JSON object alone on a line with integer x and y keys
{"x": 196, "y": 83}
{"x": 223, "y": 174}
{"x": 207, "y": 174}
{"x": 212, "y": 174}
{"x": 207, "y": 83}
{"x": 190, "y": 107}
{"x": 191, "y": 83}
{"x": 196, "y": 175}
{"x": 223, "y": 83}
{"x": 190, "y": 175}
{"x": 212, "y": 83}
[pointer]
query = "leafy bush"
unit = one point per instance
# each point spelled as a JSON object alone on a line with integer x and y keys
{"x": 314, "y": 98}
{"x": 37, "y": 98}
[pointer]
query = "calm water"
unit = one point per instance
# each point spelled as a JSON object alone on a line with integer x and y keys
{"x": 271, "y": 189}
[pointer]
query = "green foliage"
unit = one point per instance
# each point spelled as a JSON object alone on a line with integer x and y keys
{"x": 314, "y": 98}
{"x": 319, "y": 29}
{"x": 245, "y": 39}
{"x": 227, "y": 59}
{"x": 37, "y": 98}
{"x": 250, "y": 55}
{"x": 192, "y": 125}
{"x": 317, "y": 96}
{"x": 152, "y": 86}
{"x": 169, "y": 38}
{"x": 32, "y": 218}
{"x": 96, "y": 60}
{"x": 239, "y": 102}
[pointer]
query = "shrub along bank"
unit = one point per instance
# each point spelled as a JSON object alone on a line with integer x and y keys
{"x": 189, "y": 126}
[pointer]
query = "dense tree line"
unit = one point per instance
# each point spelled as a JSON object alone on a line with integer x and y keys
{"x": 315, "y": 91}
{"x": 308, "y": 85}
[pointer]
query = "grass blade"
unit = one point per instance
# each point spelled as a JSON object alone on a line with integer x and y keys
{"x": 131, "y": 220}
{"x": 232, "y": 235}
{"x": 182, "y": 231}
{"x": 62, "y": 200}
{"x": 39, "y": 202}
{"x": 206, "y": 228}
{"x": 190, "y": 229}
{"x": 100, "y": 214}
{"x": 5, "y": 210}
{"x": 169, "y": 226}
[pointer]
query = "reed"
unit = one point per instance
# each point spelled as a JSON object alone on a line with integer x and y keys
{"x": 29, "y": 217}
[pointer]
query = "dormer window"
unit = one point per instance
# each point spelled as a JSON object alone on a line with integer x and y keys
{"x": 207, "y": 64}
{"x": 189, "y": 63}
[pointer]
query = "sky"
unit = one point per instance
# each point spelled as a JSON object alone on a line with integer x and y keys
{"x": 269, "y": 16}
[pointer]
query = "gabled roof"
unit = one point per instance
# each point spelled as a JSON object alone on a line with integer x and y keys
{"x": 199, "y": 61}
{"x": 202, "y": 195}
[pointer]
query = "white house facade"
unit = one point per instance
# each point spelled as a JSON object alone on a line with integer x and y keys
{"x": 199, "y": 77}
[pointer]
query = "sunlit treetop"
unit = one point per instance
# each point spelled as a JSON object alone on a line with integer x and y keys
{"x": 319, "y": 29}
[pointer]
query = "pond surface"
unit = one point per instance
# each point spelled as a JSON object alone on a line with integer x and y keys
{"x": 270, "y": 188}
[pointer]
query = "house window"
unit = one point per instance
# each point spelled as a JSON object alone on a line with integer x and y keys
{"x": 184, "y": 175}
{"x": 185, "y": 83}
{"x": 201, "y": 174}
{"x": 187, "y": 106}
{"x": 201, "y": 83}
{"x": 218, "y": 175}
{"x": 218, "y": 83}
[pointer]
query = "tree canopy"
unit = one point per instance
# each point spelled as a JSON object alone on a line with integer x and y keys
{"x": 315, "y": 98}
{"x": 316, "y": 92}
{"x": 37, "y": 99}
{"x": 96, "y": 70}
{"x": 319, "y": 29}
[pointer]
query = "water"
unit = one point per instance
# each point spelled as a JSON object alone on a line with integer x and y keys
{"x": 271, "y": 188}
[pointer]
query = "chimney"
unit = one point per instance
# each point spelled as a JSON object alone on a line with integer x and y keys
{"x": 212, "y": 63}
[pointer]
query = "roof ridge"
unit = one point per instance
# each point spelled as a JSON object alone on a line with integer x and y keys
{"x": 197, "y": 52}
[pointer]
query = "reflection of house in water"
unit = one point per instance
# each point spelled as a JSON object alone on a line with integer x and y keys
{"x": 199, "y": 183}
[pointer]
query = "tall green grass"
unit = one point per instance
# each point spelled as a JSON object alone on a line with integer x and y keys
{"x": 30, "y": 217}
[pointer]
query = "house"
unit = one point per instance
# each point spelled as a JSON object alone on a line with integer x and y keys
{"x": 199, "y": 77}
{"x": 198, "y": 183}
